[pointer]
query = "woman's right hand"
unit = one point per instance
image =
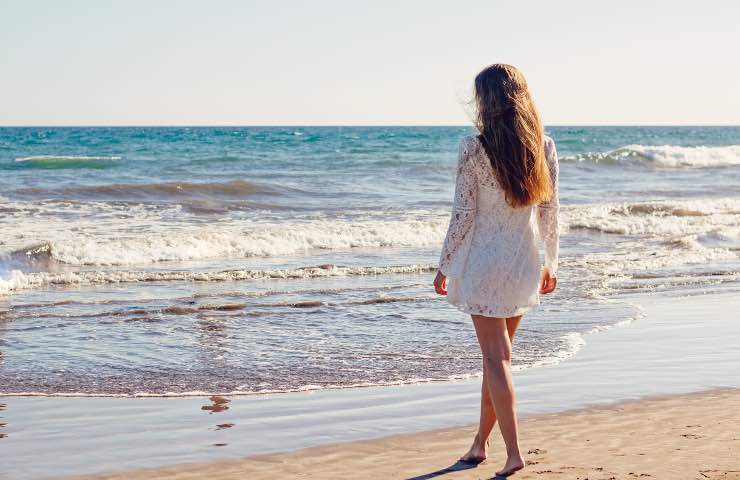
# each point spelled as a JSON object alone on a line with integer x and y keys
{"x": 547, "y": 281}
{"x": 440, "y": 283}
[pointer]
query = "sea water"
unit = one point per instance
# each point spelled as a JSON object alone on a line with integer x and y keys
{"x": 172, "y": 261}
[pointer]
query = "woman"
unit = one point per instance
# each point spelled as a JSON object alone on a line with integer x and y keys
{"x": 490, "y": 263}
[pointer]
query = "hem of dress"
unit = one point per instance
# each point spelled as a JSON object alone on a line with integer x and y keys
{"x": 511, "y": 313}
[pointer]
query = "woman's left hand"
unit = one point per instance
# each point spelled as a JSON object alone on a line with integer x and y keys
{"x": 548, "y": 282}
{"x": 440, "y": 283}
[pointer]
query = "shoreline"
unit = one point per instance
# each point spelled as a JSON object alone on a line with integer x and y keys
{"x": 655, "y": 356}
{"x": 696, "y": 431}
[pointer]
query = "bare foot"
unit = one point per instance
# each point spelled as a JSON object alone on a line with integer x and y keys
{"x": 513, "y": 464}
{"x": 478, "y": 452}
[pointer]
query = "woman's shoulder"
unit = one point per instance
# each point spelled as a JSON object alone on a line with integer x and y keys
{"x": 549, "y": 145}
{"x": 469, "y": 144}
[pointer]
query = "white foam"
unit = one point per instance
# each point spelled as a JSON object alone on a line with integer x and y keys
{"x": 14, "y": 280}
{"x": 573, "y": 343}
{"x": 621, "y": 323}
{"x": 663, "y": 234}
{"x": 666, "y": 156}
{"x": 666, "y": 219}
{"x": 19, "y": 281}
{"x": 112, "y": 241}
{"x": 250, "y": 239}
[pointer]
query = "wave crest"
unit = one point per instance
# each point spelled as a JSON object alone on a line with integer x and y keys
{"x": 17, "y": 280}
{"x": 665, "y": 156}
{"x": 164, "y": 190}
{"x": 665, "y": 219}
{"x": 66, "y": 161}
{"x": 252, "y": 240}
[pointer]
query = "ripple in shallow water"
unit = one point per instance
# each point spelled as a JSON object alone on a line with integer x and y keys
{"x": 338, "y": 332}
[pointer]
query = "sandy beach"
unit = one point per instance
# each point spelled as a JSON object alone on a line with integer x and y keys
{"x": 682, "y": 436}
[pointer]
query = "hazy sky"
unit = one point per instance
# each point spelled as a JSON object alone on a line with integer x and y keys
{"x": 130, "y": 62}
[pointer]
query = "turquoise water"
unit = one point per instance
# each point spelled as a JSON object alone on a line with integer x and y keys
{"x": 176, "y": 260}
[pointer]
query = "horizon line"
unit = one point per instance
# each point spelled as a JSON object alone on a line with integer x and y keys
{"x": 287, "y": 125}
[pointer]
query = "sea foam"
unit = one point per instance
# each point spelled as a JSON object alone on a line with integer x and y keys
{"x": 665, "y": 156}
{"x": 17, "y": 280}
{"x": 665, "y": 219}
{"x": 253, "y": 239}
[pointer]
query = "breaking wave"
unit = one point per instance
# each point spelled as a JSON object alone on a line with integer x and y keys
{"x": 667, "y": 219}
{"x": 17, "y": 280}
{"x": 664, "y": 156}
{"x": 251, "y": 240}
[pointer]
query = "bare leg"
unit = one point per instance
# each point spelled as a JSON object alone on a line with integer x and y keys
{"x": 495, "y": 343}
{"x": 479, "y": 450}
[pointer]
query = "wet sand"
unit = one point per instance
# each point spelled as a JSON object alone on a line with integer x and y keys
{"x": 682, "y": 436}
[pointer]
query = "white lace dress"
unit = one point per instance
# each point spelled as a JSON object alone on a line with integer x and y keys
{"x": 490, "y": 255}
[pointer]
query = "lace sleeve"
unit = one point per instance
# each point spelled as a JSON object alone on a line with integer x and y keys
{"x": 547, "y": 212}
{"x": 463, "y": 209}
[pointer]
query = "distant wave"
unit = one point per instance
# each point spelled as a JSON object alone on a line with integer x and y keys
{"x": 230, "y": 189}
{"x": 17, "y": 280}
{"x": 65, "y": 161}
{"x": 63, "y": 158}
{"x": 665, "y": 156}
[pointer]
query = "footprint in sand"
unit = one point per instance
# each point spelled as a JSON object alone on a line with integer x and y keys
{"x": 720, "y": 474}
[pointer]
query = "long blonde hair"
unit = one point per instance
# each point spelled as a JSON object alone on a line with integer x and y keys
{"x": 512, "y": 135}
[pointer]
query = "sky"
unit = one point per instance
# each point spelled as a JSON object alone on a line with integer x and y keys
{"x": 352, "y": 62}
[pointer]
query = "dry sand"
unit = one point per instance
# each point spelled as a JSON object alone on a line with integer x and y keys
{"x": 694, "y": 436}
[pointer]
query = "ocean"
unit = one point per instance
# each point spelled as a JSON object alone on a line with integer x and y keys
{"x": 243, "y": 260}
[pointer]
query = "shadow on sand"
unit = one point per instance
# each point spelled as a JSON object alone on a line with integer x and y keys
{"x": 455, "y": 467}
